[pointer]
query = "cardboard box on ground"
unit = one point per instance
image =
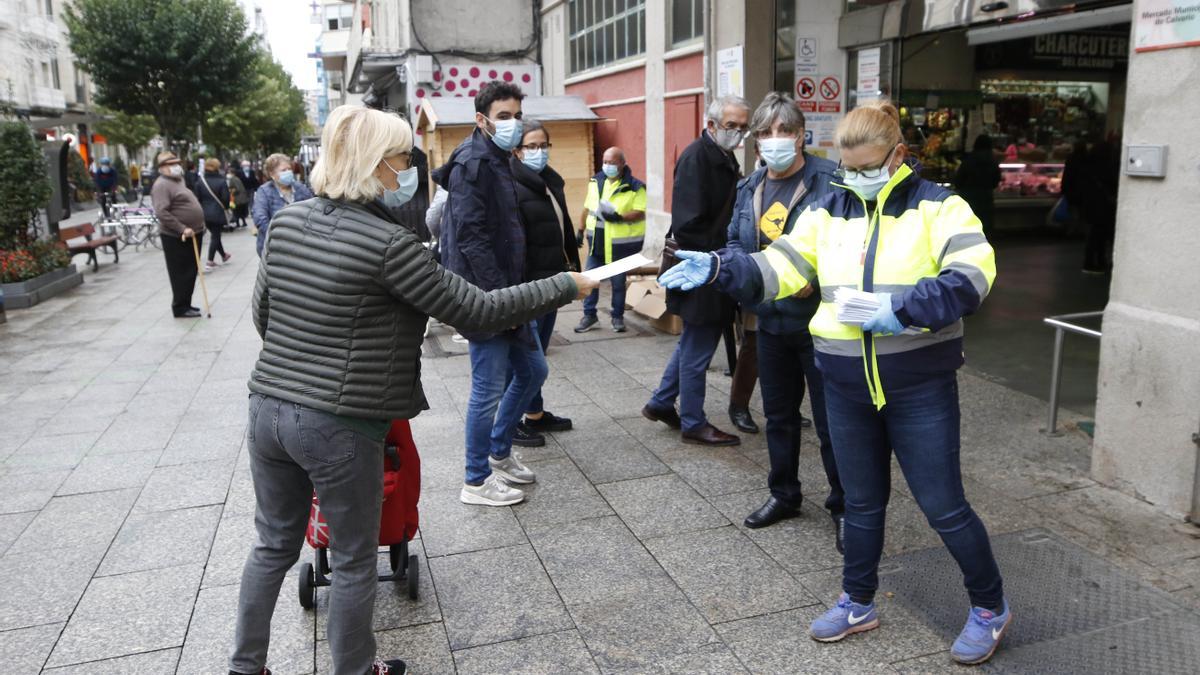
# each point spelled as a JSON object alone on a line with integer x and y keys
{"x": 648, "y": 299}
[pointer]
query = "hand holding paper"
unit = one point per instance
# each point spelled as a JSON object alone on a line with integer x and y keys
{"x": 872, "y": 311}
{"x": 616, "y": 267}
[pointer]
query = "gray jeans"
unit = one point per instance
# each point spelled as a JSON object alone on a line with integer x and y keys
{"x": 293, "y": 449}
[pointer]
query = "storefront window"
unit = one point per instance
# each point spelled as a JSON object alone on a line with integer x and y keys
{"x": 785, "y": 46}
{"x": 687, "y": 19}
{"x": 605, "y": 31}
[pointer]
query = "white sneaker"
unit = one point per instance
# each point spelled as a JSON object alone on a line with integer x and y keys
{"x": 493, "y": 492}
{"x": 512, "y": 470}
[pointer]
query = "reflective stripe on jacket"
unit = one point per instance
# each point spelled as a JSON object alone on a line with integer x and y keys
{"x": 626, "y": 194}
{"x": 922, "y": 244}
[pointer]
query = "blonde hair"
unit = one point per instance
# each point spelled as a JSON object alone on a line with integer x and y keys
{"x": 354, "y": 141}
{"x": 212, "y": 164}
{"x": 876, "y": 123}
{"x": 273, "y": 161}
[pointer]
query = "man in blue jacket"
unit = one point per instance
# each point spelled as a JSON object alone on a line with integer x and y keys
{"x": 768, "y": 203}
{"x": 483, "y": 241}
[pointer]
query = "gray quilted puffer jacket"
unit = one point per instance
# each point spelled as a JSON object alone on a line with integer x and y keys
{"x": 341, "y": 301}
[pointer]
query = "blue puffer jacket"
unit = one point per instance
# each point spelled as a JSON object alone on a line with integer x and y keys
{"x": 790, "y": 315}
{"x": 268, "y": 202}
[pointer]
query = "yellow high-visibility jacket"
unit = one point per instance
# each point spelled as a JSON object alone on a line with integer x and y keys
{"x": 626, "y": 194}
{"x": 920, "y": 242}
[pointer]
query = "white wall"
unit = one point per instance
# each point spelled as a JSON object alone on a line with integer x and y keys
{"x": 495, "y": 25}
{"x": 1148, "y": 403}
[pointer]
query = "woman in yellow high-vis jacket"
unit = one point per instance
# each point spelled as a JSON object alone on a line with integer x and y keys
{"x": 890, "y": 384}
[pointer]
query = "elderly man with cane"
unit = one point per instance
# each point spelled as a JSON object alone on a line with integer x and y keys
{"x": 180, "y": 218}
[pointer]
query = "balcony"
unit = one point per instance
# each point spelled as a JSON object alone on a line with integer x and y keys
{"x": 47, "y": 99}
{"x": 40, "y": 28}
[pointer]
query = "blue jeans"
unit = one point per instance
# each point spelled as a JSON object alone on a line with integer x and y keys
{"x": 684, "y": 378}
{"x": 596, "y": 259}
{"x": 921, "y": 425}
{"x": 494, "y": 408}
{"x": 784, "y": 363}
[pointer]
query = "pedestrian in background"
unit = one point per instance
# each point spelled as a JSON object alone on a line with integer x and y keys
{"x": 706, "y": 177}
{"x": 769, "y": 203}
{"x": 550, "y": 249}
{"x": 241, "y": 198}
{"x": 213, "y": 194}
{"x": 976, "y": 180}
{"x": 614, "y": 213}
{"x": 105, "y": 178}
{"x": 180, "y": 219}
{"x": 887, "y": 389}
{"x": 483, "y": 240}
{"x": 324, "y": 393}
{"x": 282, "y": 189}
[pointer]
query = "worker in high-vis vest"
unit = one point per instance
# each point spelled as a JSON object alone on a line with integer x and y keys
{"x": 890, "y": 383}
{"x": 614, "y": 214}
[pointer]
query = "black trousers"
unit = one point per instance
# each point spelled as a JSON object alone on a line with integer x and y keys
{"x": 181, "y": 269}
{"x": 785, "y": 363}
{"x": 214, "y": 243}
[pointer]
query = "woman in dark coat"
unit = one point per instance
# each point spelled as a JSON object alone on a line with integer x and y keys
{"x": 550, "y": 249}
{"x": 213, "y": 193}
{"x": 976, "y": 181}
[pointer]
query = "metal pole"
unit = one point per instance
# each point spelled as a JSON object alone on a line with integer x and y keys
{"x": 1055, "y": 376}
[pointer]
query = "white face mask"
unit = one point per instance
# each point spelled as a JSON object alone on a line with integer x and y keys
{"x": 175, "y": 170}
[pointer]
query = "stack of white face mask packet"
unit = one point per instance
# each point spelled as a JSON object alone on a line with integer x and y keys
{"x": 857, "y": 307}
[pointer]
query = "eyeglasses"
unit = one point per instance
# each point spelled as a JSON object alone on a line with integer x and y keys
{"x": 537, "y": 146}
{"x": 874, "y": 172}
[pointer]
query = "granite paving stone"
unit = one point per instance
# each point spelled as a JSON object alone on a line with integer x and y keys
{"x": 185, "y": 485}
{"x": 11, "y": 527}
{"x": 76, "y": 520}
{"x": 615, "y": 458}
{"x": 221, "y": 443}
{"x": 598, "y": 559}
{"x": 481, "y": 604}
{"x": 713, "y": 659}
{"x": 100, "y": 473}
{"x": 51, "y": 452}
{"x": 800, "y": 545}
{"x": 779, "y": 643}
{"x": 423, "y": 648}
{"x": 129, "y": 614}
{"x": 146, "y": 663}
{"x": 638, "y": 631}
{"x": 726, "y": 575}
{"x": 448, "y": 526}
{"x": 552, "y": 653}
{"x": 660, "y": 505}
{"x": 715, "y": 471}
{"x": 149, "y": 541}
{"x": 24, "y": 650}
{"x": 131, "y": 432}
{"x": 561, "y": 495}
{"x": 210, "y": 634}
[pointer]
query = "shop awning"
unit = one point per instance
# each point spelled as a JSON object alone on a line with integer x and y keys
{"x": 1060, "y": 23}
{"x": 68, "y": 119}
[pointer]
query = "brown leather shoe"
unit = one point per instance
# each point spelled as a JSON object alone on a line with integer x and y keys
{"x": 710, "y": 435}
{"x": 667, "y": 417}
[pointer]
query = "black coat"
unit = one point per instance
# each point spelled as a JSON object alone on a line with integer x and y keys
{"x": 214, "y": 209}
{"x": 701, "y": 205}
{"x": 550, "y": 247}
{"x": 250, "y": 182}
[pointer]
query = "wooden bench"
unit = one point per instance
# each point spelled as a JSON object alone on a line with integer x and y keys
{"x": 89, "y": 244}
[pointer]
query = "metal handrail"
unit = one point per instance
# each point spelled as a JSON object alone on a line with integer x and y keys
{"x": 1061, "y": 327}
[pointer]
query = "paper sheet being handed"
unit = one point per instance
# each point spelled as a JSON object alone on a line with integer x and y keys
{"x": 618, "y": 267}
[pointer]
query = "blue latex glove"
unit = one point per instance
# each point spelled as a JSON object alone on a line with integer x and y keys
{"x": 883, "y": 321}
{"x": 692, "y": 273}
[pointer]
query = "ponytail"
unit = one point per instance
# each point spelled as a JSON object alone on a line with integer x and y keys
{"x": 876, "y": 123}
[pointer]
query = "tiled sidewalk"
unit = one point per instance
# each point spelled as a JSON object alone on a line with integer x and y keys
{"x": 128, "y": 509}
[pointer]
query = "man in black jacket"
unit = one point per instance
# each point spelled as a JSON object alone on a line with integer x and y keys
{"x": 483, "y": 241}
{"x": 706, "y": 176}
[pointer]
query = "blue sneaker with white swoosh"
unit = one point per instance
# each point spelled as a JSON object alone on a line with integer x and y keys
{"x": 842, "y": 619}
{"x": 980, "y": 637}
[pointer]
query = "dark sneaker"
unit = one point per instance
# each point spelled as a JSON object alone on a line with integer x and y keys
{"x": 618, "y": 324}
{"x": 264, "y": 671}
{"x": 586, "y": 323}
{"x": 392, "y": 667}
{"x": 547, "y": 422}
{"x": 527, "y": 438}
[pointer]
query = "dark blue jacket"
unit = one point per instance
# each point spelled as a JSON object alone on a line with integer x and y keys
{"x": 268, "y": 201}
{"x": 790, "y": 315}
{"x": 482, "y": 238}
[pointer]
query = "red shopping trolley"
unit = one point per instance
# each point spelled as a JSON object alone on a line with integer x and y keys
{"x": 398, "y": 522}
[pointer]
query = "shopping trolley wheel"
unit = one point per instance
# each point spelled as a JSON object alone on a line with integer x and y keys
{"x": 414, "y": 572}
{"x": 323, "y": 561}
{"x": 308, "y": 586}
{"x": 396, "y": 555}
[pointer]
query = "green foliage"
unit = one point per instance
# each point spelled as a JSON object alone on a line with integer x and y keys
{"x": 79, "y": 176}
{"x": 122, "y": 172}
{"x": 29, "y": 261}
{"x": 270, "y": 117}
{"x": 171, "y": 60}
{"x": 24, "y": 186}
{"x": 131, "y": 131}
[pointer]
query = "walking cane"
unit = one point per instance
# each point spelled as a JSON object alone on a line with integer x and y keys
{"x": 200, "y": 271}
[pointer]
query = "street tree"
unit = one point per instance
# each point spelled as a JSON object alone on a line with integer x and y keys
{"x": 269, "y": 118}
{"x": 172, "y": 60}
{"x": 133, "y": 132}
